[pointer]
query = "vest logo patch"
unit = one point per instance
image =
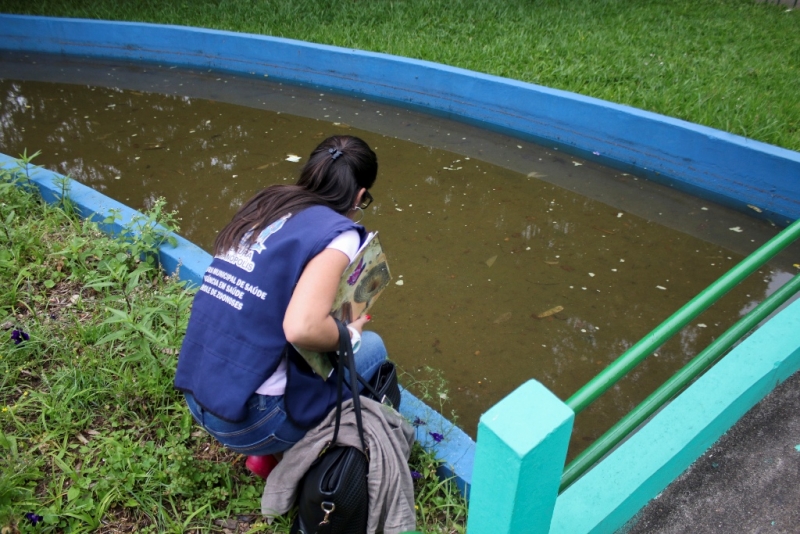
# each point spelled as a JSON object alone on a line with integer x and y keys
{"x": 242, "y": 257}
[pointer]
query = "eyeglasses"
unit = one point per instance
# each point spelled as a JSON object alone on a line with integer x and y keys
{"x": 366, "y": 200}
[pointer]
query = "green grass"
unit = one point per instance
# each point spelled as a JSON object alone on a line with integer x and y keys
{"x": 93, "y": 437}
{"x": 728, "y": 64}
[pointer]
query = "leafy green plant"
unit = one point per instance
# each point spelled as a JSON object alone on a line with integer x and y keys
{"x": 440, "y": 506}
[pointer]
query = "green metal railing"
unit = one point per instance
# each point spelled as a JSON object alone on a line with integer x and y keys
{"x": 647, "y": 345}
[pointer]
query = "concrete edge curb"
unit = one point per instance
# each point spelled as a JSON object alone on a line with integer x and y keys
{"x": 644, "y": 465}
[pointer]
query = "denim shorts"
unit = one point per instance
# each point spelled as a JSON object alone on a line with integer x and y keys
{"x": 267, "y": 429}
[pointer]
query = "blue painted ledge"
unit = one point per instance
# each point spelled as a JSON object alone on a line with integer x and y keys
{"x": 456, "y": 449}
{"x": 709, "y": 163}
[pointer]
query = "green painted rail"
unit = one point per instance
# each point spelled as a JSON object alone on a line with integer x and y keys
{"x": 676, "y": 383}
{"x": 648, "y": 344}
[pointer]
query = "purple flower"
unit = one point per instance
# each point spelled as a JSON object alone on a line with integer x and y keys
{"x": 18, "y": 336}
{"x": 30, "y": 516}
{"x": 416, "y": 475}
{"x": 436, "y": 436}
{"x": 419, "y": 422}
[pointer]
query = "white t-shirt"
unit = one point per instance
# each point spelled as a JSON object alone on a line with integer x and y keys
{"x": 346, "y": 242}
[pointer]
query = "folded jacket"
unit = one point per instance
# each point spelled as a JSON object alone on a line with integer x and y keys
{"x": 389, "y": 438}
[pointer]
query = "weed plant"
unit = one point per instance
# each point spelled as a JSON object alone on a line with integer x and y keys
{"x": 93, "y": 437}
{"x": 728, "y": 64}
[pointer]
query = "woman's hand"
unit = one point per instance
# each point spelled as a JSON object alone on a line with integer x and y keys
{"x": 359, "y": 323}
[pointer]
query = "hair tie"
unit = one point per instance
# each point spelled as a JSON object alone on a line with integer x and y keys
{"x": 335, "y": 153}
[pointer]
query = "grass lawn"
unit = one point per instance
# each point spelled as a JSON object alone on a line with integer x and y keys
{"x": 728, "y": 64}
{"x": 93, "y": 437}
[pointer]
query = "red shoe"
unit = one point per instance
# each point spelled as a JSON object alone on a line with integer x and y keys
{"x": 261, "y": 466}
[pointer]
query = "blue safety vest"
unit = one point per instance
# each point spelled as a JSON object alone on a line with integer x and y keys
{"x": 234, "y": 340}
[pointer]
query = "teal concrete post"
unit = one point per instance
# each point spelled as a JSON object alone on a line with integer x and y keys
{"x": 519, "y": 457}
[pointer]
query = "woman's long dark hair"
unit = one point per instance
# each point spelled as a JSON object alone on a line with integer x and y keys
{"x": 325, "y": 180}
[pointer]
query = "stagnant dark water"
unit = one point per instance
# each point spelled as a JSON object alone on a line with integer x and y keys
{"x": 486, "y": 233}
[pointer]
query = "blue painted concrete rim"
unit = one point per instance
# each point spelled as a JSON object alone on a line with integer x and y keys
{"x": 722, "y": 167}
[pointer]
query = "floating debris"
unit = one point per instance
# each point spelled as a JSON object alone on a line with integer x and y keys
{"x": 755, "y": 208}
{"x": 534, "y": 174}
{"x": 503, "y": 318}
{"x": 736, "y": 229}
{"x": 399, "y": 283}
{"x": 491, "y": 261}
{"x": 293, "y": 158}
{"x": 550, "y": 262}
{"x": 662, "y": 288}
{"x": 577, "y": 164}
{"x": 551, "y": 311}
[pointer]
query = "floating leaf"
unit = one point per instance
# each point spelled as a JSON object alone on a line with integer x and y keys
{"x": 293, "y": 158}
{"x": 491, "y": 261}
{"x": 551, "y": 311}
{"x": 503, "y": 318}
